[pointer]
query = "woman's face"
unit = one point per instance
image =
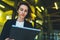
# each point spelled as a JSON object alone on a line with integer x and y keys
{"x": 22, "y": 11}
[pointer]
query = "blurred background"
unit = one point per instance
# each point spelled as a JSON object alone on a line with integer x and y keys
{"x": 45, "y": 16}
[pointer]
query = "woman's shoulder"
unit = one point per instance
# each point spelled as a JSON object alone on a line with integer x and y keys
{"x": 11, "y": 20}
{"x": 8, "y": 22}
{"x": 28, "y": 24}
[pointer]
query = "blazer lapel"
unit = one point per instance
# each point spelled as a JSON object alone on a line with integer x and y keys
{"x": 14, "y": 22}
{"x": 25, "y": 23}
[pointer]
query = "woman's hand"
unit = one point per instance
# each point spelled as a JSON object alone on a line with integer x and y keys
{"x": 9, "y": 39}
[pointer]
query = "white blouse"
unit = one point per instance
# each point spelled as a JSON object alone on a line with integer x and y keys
{"x": 19, "y": 24}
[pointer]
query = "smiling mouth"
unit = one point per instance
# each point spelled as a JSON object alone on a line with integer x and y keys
{"x": 22, "y": 14}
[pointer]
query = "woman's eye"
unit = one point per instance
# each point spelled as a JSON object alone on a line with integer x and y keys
{"x": 21, "y": 9}
{"x": 26, "y": 11}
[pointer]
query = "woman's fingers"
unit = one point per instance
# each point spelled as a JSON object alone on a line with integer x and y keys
{"x": 9, "y": 39}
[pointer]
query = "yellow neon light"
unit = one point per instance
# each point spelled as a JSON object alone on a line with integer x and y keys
{"x": 2, "y": 6}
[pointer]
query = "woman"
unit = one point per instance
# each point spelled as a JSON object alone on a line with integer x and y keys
{"x": 23, "y": 10}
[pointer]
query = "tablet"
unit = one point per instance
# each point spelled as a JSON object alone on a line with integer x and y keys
{"x": 23, "y": 33}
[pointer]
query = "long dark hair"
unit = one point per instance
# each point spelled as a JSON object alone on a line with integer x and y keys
{"x": 28, "y": 5}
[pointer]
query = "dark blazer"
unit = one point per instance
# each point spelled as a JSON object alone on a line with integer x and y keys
{"x": 8, "y": 25}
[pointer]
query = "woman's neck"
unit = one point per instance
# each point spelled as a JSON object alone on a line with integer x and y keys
{"x": 20, "y": 19}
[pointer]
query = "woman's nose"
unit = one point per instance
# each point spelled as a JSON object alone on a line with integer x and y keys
{"x": 22, "y": 11}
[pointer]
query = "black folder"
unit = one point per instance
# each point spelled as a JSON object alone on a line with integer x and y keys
{"x": 23, "y": 33}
